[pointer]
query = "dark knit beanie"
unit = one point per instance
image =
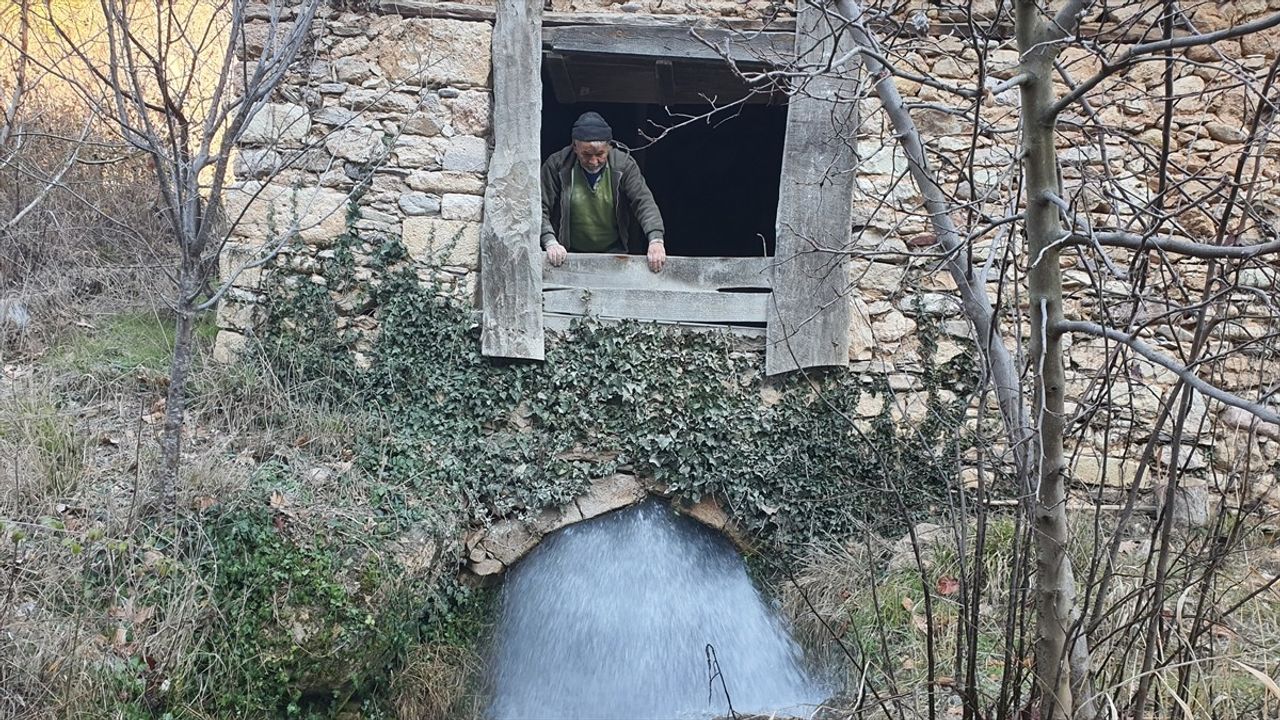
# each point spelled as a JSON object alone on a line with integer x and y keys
{"x": 590, "y": 127}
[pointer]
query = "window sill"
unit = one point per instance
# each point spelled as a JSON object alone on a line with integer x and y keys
{"x": 730, "y": 293}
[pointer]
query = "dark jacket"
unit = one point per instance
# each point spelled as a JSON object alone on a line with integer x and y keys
{"x": 631, "y": 197}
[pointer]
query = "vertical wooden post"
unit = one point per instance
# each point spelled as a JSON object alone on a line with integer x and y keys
{"x": 510, "y": 255}
{"x": 810, "y": 312}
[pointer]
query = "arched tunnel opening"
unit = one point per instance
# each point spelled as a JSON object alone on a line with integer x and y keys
{"x": 642, "y": 612}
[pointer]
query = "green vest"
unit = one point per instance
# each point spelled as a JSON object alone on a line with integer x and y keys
{"x": 593, "y": 223}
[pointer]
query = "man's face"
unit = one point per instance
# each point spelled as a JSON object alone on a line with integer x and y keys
{"x": 591, "y": 155}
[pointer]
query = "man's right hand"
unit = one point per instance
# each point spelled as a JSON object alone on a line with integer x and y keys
{"x": 556, "y": 253}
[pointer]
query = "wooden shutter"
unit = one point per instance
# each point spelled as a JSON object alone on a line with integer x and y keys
{"x": 510, "y": 253}
{"x": 810, "y": 313}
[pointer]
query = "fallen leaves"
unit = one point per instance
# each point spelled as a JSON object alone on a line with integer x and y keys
{"x": 948, "y": 585}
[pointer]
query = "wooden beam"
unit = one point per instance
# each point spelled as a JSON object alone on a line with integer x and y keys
{"x": 466, "y": 11}
{"x": 510, "y": 254}
{"x": 810, "y": 314}
{"x": 673, "y": 43}
{"x": 949, "y": 22}
{"x": 704, "y": 274}
{"x": 753, "y": 336}
{"x": 664, "y": 305}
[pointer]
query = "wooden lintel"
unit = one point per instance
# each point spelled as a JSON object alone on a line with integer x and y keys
{"x": 754, "y": 49}
{"x": 949, "y": 22}
{"x": 465, "y": 11}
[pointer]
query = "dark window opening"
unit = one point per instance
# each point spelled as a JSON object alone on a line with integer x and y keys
{"x": 715, "y": 179}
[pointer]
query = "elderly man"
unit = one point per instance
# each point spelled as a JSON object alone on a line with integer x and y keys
{"x": 590, "y": 192}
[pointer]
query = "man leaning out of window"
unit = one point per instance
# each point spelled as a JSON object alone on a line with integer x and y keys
{"x": 591, "y": 190}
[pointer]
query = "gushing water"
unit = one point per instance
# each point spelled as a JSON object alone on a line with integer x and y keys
{"x": 610, "y": 618}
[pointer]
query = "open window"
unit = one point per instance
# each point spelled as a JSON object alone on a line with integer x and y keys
{"x": 756, "y": 198}
{"x": 710, "y": 148}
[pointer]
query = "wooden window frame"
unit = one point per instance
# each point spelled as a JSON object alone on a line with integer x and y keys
{"x": 796, "y": 299}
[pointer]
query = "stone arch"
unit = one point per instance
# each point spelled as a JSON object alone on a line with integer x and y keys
{"x": 491, "y": 550}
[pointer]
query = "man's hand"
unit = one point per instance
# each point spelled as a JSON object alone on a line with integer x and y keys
{"x": 657, "y": 255}
{"x": 556, "y": 254}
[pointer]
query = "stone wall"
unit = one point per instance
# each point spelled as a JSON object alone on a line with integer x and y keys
{"x": 1109, "y": 168}
{"x": 388, "y": 115}
{"x": 392, "y": 114}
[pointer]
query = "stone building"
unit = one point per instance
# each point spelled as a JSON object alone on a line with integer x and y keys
{"x": 392, "y": 113}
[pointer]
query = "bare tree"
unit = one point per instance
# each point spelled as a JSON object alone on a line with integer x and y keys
{"x": 1030, "y": 381}
{"x": 15, "y": 100}
{"x": 182, "y": 84}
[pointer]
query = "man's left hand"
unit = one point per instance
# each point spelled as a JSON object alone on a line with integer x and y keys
{"x": 657, "y": 256}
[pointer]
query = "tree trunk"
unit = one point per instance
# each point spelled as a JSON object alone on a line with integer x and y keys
{"x": 1055, "y": 583}
{"x": 175, "y": 401}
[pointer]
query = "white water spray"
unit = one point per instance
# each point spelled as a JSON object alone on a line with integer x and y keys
{"x": 611, "y": 619}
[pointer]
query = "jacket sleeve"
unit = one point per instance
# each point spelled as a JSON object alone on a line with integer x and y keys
{"x": 643, "y": 205}
{"x": 550, "y": 181}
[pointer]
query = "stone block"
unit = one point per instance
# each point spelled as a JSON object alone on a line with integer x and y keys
{"x": 462, "y": 207}
{"x": 259, "y": 35}
{"x": 435, "y": 241}
{"x": 235, "y": 255}
{"x": 256, "y": 162}
{"x": 549, "y": 520}
{"x": 266, "y": 211}
{"x": 507, "y": 542}
{"x": 415, "y": 151}
{"x": 357, "y": 144}
{"x": 434, "y": 52}
{"x": 277, "y": 124}
{"x": 1092, "y": 468}
{"x": 363, "y": 99}
{"x": 236, "y": 316}
{"x": 611, "y": 493}
{"x": 440, "y": 183}
{"x": 708, "y": 512}
{"x": 878, "y": 277}
{"x": 422, "y": 123}
{"x": 228, "y": 346}
{"x": 419, "y": 203}
{"x": 1190, "y": 503}
{"x": 353, "y": 70}
{"x": 869, "y": 405}
{"x": 466, "y": 153}
{"x": 334, "y": 115}
{"x": 929, "y": 303}
{"x": 485, "y": 567}
{"x": 349, "y": 46}
{"x": 470, "y": 112}
{"x": 315, "y": 160}
{"x": 861, "y": 339}
{"x": 892, "y": 326}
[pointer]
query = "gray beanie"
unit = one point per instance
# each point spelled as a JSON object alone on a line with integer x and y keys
{"x": 590, "y": 127}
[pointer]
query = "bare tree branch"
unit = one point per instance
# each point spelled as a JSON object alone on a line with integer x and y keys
{"x": 1138, "y": 52}
{"x": 1262, "y": 412}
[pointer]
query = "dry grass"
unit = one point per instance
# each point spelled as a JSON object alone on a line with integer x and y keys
{"x": 91, "y": 609}
{"x": 848, "y": 595}
{"x": 438, "y": 682}
{"x": 92, "y": 247}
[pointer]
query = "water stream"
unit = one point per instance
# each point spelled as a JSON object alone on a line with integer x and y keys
{"x": 611, "y": 618}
